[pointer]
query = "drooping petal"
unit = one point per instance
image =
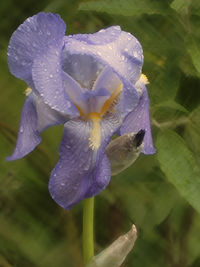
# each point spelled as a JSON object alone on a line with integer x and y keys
{"x": 36, "y": 116}
{"x": 115, "y": 49}
{"x": 139, "y": 119}
{"x": 81, "y": 171}
{"x": 28, "y": 136}
{"x": 47, "y": 116}
{"x": 30, "y": 40}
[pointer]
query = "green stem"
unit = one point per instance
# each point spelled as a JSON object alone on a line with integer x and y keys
{"x": 88, "y": 230}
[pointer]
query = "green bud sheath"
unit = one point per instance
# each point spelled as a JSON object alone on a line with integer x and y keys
{"x": 124, "y": 150}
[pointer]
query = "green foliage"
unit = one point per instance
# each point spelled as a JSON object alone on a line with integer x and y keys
{"x": 181, "y": 6}
{"x": 179, "y": 166}
{"x": 159, "y": 193}
{"x": 194, "y": 52}
{"x": 126, "y": 7}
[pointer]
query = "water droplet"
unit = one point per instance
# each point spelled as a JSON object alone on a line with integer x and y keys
{"x": 21, "y": 129}
{"x": 23, "y": 62}
{"x": 48, "y": 32}
{"x": 51, "y": 75}
{"x": 86, "y": 167}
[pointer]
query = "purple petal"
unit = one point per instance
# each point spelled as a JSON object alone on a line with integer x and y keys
{"x": 36, "y": 116}
{"x": 139, "y": 119}
{"x": 81, "y": 172}
{"x": 83, "y": 68}
{"x": 115, "y": 49}
{"x": 107, "y": 79}
{"x": 47, "y": 116}
{"x": 28, "y": 136}
{"x": 48, "y": 81}
{"x": 30, "y": 40}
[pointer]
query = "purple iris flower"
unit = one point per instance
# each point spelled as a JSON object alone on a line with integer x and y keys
{"x": 90, "y": 83}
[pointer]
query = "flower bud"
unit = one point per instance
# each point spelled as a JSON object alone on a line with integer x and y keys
{"x": 124, "y": 150}
{"x": 116, "y": 253}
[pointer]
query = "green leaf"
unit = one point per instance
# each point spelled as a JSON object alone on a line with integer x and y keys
{"x": 165, "y": 84}
{"x": 146, "y": 196}
{"x": 180, "y": 6}
{"x": 126, "y": 7}
{"x": 179, "y": 165}
{"x": 172, "y": 105}
{"x": 192, "y": 132}
{"x": 193, "y": 49}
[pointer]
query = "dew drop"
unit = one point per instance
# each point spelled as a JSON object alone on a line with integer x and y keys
{"x": 86, "y": 167}
{"x": 51, "y": 75}
{"x": 23, "y": 62}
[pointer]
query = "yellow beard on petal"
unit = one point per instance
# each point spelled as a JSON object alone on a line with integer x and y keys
{"x": 112, "y": 99}
{"x": 95, "y": 117}
{"x": 95, "y": 135}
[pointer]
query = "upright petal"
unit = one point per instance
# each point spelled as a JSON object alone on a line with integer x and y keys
{"x": 75, "y": 66}
{"x": 36, "y": 116}
{"x": 48, "y": 80}
{"x": 34, "y": 55}
{"x": 139, "y": 119}
{"x": 81, "y": 172}
{"x": 115, "y": 49}
{"x": 107, "y": 79}
{"x": 30, "y": 40}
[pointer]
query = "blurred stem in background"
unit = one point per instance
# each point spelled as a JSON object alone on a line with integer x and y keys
{"x": 88, "y": 229}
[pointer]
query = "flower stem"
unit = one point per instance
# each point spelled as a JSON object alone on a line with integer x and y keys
{"x": 88, "y": 230}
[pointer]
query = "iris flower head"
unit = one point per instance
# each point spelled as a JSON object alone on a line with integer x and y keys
{"x": 90, "y": 83}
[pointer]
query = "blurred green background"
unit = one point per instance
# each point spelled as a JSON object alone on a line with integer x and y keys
{"x": 159, "y": 193}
